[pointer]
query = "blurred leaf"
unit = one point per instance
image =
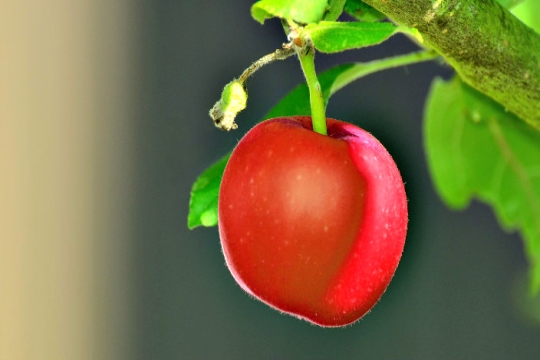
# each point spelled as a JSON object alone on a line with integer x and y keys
{"x": 335, "y": 8}
{"x": 332, "y": 36}
{"x": 510, "y": 3}
{"x": 362, "y": 11}
{"x": 477, "y": 149}
{"x": 529, "y": 13}
{"x": 204, "y": 196}
{"x": 527, "y": 305}
{"x": 301, "y": 11}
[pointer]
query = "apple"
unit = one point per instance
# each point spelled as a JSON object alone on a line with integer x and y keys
{"x": 312, "y": 225}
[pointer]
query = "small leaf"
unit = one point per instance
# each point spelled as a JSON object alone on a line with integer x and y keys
{"x": 333, "y": 36}
{"x": 301, "y": 11}
{"x": 204, "y": 196}
{"x": 362, "y": 11}
{"x": 475, "y": 149}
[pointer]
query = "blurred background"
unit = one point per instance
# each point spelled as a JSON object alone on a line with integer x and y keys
{"x": 103, "y": 129}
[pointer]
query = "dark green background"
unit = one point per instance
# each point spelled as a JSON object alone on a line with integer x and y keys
{"x": 452, "y": 296}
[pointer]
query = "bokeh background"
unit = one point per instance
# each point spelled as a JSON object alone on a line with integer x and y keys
{"x": 103, "y": 129}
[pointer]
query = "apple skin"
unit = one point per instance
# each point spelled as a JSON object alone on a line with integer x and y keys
{"x": 312, "y": 225}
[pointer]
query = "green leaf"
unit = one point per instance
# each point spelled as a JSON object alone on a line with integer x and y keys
{"x": 509, "y": 4}
{"x": 475, "y": 149}
{"x": 204, "y": 196}
{"x": 301, "y": 11}
{"x": 334, "y": 10}
{"x": 362, "y": 11}
{"x": 529, "y": 13}
{"x": 332, "y": 36}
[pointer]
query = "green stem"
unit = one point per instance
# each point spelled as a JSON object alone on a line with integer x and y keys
{"x": 316, "y": 101}
{"x": 360, "y": 70}
{"x": 491, "y": 49}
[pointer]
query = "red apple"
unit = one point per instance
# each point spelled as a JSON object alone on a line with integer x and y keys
{"x": 312, "y": 225}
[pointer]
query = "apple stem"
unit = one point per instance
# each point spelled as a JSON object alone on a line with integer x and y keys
{"x": 279, "y": 54}
{"x": 306, "y": 55}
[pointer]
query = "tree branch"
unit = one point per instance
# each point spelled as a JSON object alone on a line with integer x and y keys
{"x": 490, "y": 48}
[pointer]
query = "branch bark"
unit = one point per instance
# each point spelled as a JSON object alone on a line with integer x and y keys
{"x": 490, "y": 48}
